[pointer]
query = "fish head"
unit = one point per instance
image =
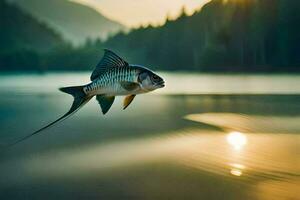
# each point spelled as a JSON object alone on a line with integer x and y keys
{"x": 149, "y": 80}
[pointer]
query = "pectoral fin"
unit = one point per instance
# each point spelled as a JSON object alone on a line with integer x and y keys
{"x": 130, "y": 86}
{"x": 105, "y": 102}
{"x": 127, "y": 101}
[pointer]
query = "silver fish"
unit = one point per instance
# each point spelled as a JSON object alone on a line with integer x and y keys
{"x": 113, "y": 76}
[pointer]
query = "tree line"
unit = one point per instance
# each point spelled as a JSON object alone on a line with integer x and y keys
{"x": 224, "y": 36}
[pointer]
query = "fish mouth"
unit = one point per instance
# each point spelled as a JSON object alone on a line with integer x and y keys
{"x": 160, "y": 84}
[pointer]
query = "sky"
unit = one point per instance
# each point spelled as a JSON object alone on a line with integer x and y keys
{"x": 134, "y": 13}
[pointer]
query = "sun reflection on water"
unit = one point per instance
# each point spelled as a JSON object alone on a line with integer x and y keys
{"x": 236, "y": 172}
{"x": 237, "y": 169}
{"x": 237, "y": 140}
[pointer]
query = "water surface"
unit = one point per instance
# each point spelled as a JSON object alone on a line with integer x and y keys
{"x": 202, "y": 137}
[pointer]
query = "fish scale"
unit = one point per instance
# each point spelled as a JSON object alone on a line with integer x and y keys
{"x": 110, "y": 81}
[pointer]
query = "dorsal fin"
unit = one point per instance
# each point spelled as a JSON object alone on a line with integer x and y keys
{"x": 109, "y": 60}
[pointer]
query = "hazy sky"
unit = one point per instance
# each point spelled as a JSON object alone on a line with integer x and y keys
{"x": 136, "y": 12}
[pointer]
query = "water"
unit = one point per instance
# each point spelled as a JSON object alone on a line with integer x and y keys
{"x": 201, "y": 137}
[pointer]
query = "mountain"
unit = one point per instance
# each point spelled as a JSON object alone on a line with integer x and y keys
{"x": 20, "y": 31}
{"x": 23, "y": 38}
{"x": 224, "y": 36}
{"x": 238, "y": 36}
{"x": 75, "y": 22}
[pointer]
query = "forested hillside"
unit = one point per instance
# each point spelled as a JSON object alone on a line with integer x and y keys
{"x": 248, "y": 35}
{"x": 22, "y": 38}
{"x": 224, "y": 36}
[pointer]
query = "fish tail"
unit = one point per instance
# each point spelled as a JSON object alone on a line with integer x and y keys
{"x": 80, "y": 99}
{"x": 75, "y": 91}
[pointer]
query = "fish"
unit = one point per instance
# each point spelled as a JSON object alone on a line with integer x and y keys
{"x": 113, "y": 76}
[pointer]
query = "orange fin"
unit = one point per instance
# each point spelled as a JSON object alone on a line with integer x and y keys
{"x": 127, "y": 101}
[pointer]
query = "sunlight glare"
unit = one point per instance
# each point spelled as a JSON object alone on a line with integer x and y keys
{"x": 236, "y": 172}
{"x": 237, "y": 169}
{"x": 237, "y": 140}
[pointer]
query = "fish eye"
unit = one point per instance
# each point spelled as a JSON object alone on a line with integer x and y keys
{"x": 155, "y": 77}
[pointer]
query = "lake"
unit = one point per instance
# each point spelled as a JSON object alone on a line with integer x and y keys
{"x": 203, "y": 136}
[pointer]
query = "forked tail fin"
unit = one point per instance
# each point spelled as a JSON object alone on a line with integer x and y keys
{"x": 80, "y": 99}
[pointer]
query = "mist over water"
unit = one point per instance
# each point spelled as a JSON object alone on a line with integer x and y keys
{"x": 203, "y": 136}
